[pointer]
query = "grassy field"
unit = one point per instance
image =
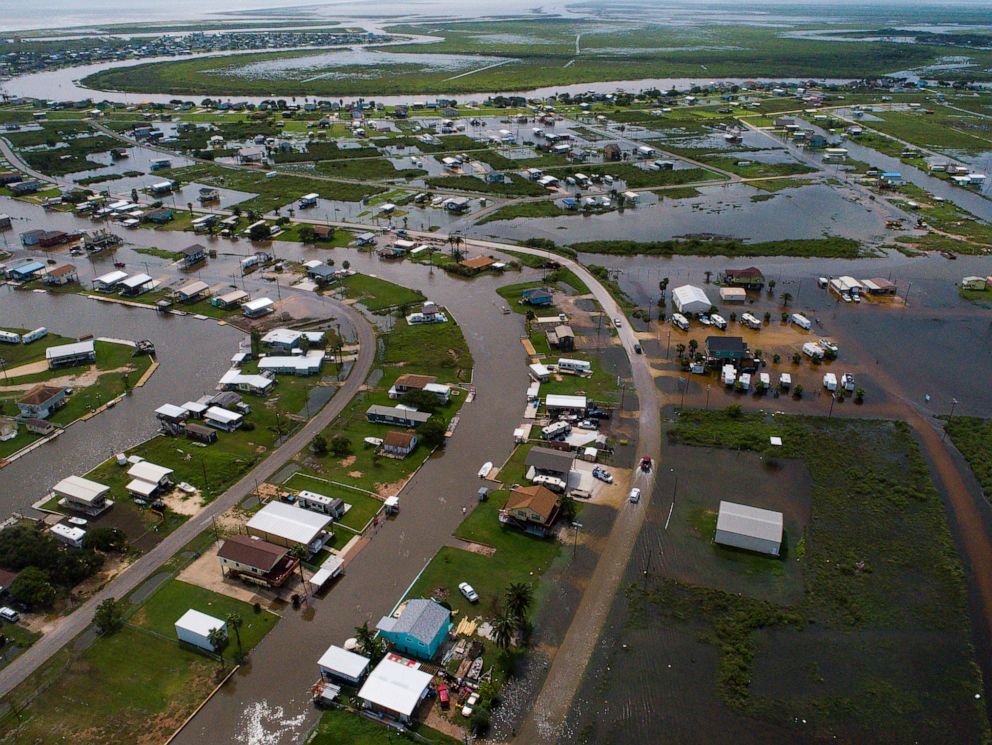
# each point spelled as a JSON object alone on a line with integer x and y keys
{"x": 545, "y": 208}
{"x": 973, "y": 437}
{"x": 363, "y": 507}
{"x": 833, "y": 247}
{"x": 882, "y": 584}
{"x": 376, "y": 294}
{"x": 339, "y": 727}
{"x": 136, "y": 685}
{"x": 518, "y": 187}
{"x": 539, "y": 52}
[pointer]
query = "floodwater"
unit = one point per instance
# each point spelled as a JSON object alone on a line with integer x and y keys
{"x": 805, "y": 212}
{"x": 185, "y": 373}
{"x": 322, "y": 66}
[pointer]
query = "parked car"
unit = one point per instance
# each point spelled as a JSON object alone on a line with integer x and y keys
{"x": 470, "y": 594}
{"x": 646, "y": 463}
{"x": 9, "y": 614}
{"x": 635, "y": 495}
{"x": 587, "y": 424}
{"x": 602, "y": 474}
{"x": 483, "y": 493}
{"x": 637, "y": 348}
{"x": 443, "y": 697}
{"x": 618, "y": 322}
{"x": 473, "y": 699}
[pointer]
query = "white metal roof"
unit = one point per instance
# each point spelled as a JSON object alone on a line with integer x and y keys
{"x": 691, "y": 298}
{"x": 282, "y": 336}
{"x": 80, "y": 489}
{"x": 749, "y": 521}
{"x": 147, "y": 471}
{"x": 194, "y": 407}
{"x": 331, "y": 566}
{"x": 292, "y": 523}
{"x": 193, "y": 288}
{"x": 315, "y": 497}
{"x": 311, "y": 361}
{"x": 136, "y": 281}
{"x": 259, "y": 304}
{"x": 111, "y": 278}
{"x": 141, "y": 487}
{"x": 170, "y": 410}
{"x": 339, "y": 660}
{"x": 561, "y": 401}
{"x": 396, "y": 684}
{"x": 219, "y": 414}
{"x": 68, "y": 532}
{"x": 198, "y": 623}
{"x": 68, "y": 350}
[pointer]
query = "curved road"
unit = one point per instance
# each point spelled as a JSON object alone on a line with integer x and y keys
{"x": 36, "y": 655}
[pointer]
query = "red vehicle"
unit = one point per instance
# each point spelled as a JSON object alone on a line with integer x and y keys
{"x": 646, "y": 463}
{"x": 442, "y": 696}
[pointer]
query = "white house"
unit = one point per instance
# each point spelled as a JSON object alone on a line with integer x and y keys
{"x": 340, "y": 664}
{"x": 289, "y": 526}
{"x": 395, "y": 688}
{"x": 749, "y": 528}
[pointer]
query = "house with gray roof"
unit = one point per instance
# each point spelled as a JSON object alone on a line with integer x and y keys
{"x": 419, "y": 629}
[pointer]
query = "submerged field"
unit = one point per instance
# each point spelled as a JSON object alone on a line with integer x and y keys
{"x": 519, "y": 55}
{"x": 858, "y": 634}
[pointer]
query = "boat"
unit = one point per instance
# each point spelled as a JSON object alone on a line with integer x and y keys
{"x": 486, "y": 468}
{"x": 77, "y": 521}
{"x": 186, "y": 487}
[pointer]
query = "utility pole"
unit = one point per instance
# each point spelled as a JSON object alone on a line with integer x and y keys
{"x": 685, "y": 387}
{"x": 708, "y": 386}
{"x": 954, "y": 403}
{"x": 575, "y": 537}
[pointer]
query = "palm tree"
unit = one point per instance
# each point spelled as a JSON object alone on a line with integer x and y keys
{"x": 235, "y": 622}
{"x": 786, "y": 298}
{"x": 519, "y": 596}
{"x": 218, "y": 640}
{"x": 693, "y": 346}
{"x": 680, "y": 348}
{"x": 369, "y": 643}
{"x": 504, "y": 626}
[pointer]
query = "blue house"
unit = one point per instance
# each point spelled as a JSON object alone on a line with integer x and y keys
{"x": 25, "y": 272}
{"x": 536, "y": 296}
{"x": 419, "y": 630}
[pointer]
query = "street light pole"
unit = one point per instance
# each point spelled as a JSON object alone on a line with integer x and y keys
{"x": 833, "y": 397}
{"x": 575, "y": 537}
{"x": 954, "y": 402}
{"x": 708, "y": 386}
{"x": 685, "y": 387}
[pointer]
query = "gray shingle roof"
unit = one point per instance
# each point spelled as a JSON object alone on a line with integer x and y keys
{"x": 420, "y": 619}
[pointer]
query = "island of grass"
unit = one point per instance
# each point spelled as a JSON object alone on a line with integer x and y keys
{"x": 93, "y": 385}
{"x": 833, "y": 247}
{"x": 378, "y": 295}
{"x": 973, "y": 437}
{"x": 340, "y": 727}
{"x": 873, "y": 644}
{"x": 137, "y": 684}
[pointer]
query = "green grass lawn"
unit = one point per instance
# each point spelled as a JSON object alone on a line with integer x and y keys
{"x": 340, "y": 727}
{"x": 514, "y": 293}
{"x": 363, "y": 507}
{"x": 15, "y": 355}
{"x": 546, "y": 208}
{"x": 161, "y": 611}
{"x": 17, "y": 636}
{"x": 376, "y": 294}
{"x": 973, "y": 437}
{"x": 883, "y": 583}
{"x": 830, "y": 247}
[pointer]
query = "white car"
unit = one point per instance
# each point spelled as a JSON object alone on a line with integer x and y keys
{"x": 635, "y": 495}
{"x": 470, "y": 703}
{"x": 587, "y": 424}
{"x": 470, "y": 594}
{"x": 618, "y": 322}
{"x": 602, "y": 474}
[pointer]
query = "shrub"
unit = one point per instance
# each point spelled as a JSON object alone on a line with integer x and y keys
{"x": 33, "y": 588}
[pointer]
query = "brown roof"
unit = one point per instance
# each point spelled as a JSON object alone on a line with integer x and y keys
{"x": 40, "y": 394}
{"x": 539, "y": 499}
{"x": 6, "y": 578}
{"x": 479, "y": 262}
{"x": 409, "y": 380}
{"x": 253, "y": 552}
{"x": 60, "y": 270}
{"x": 397, "y": 439}
{"x": 751, "y": 271}
{"x": 196, "y": 248}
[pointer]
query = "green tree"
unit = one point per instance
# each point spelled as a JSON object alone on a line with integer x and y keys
{"x": 693, "y": 346}
{"x": 218, "y": 640}
{"x": 319, "y": 445}
{"x": 33, "y": 588}
{"x": 235, "y": 622}
{"x": 346, "y": 265}
{"x": 308, "y": 234}
{"x": 109, "y": 616}
{"x": 519, "y": 596}
{"x": 421, "y": 400}
{"x": 431, "y": 432}
{"x": 504, "y": 626}
{"x": 105, "y": 539}
{"x": 259, "y": 232}
{"x": 340, "y": 445}
{"x": 371, "y": 645}
{"x": 786, "y": 298}
{"x": 567, "y": 508}
{"x": 680, "y": 349}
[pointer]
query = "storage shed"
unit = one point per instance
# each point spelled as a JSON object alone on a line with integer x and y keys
{"x": 749, "y": 528}
{"x": 194, "y": 628}
{"x": 340, "y": 664}
{"x": 691, "y": 299}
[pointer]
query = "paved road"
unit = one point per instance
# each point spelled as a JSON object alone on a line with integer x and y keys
{"x": 148, "y": 564}
{"x": 15, "y": 160}
{"x": 572, "y": 656}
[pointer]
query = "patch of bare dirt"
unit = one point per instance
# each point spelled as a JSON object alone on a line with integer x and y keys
{"x": 182, "y": 503}
{"x": 345, "y": 462}
{"x": 388, "y": 490}
{"x": 355, "y": 474}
